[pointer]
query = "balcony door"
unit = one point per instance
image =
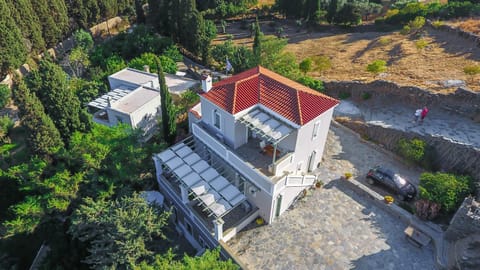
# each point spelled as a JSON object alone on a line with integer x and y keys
{"x": 311, "y": 161}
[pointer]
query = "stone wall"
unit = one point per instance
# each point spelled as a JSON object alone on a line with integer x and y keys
{"x": 462, "y": 101}
{"x": 466, "y": 220}
{"x": 448, "y": 155}
{"x": 475, "y": 39}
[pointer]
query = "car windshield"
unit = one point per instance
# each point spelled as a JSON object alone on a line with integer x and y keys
{"x": 399, "y": 181}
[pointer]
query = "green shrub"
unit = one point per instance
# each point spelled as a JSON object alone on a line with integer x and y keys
{"x": 5, "y": 94}
{"x": 344, "y": 95}
{"x": 321, "y": 63}
{"x": 417, "y": 23}
{"x": 173, "y": 53}
{"x": 448, "y": 190}
{"x": 413, "y": 150}
{"x": 306, "y": 65}
{"x": 6, "y": 124}
{"x": 472, "y": 70}
{"x": 421, "y": 44}
{"x": 405, "y": 30}
{"x": 377, "y": 66}
{"x": 437, "y": 23}
{"x": 384, "y": 41}
{"x": 312, "y": 83}
{"x": 366, "y": 95}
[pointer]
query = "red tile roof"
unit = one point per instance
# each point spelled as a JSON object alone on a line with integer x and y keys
{"x": 259, "y": 85}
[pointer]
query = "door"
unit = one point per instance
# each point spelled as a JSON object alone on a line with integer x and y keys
{"x": 279, "y": 205}
{"x": 311, "y": 161}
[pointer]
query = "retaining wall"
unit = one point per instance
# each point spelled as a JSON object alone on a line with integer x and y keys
{"x": 463, "y": 101}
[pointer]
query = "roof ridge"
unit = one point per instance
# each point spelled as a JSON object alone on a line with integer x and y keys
{"x": 297, "y": 93}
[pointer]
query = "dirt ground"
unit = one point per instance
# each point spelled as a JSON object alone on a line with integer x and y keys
{"x": 442, "y": 59}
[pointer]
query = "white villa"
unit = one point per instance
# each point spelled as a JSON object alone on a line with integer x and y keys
{"x": 256, "y": 138}
{"x": 134, "y": 99}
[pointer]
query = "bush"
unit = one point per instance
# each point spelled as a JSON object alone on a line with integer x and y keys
{"x": 417, "y": 23}
{"x": 421, "y": 44}
{"x": 472, "y": 70}
{"x": 312, "y": 83}
{"x": 6, "y": 124}
{"x": 405, "y": 30}
{"x": 366, "y": 95}
{"x": 377, "y": 66}
{"x": 5, "y": 94}
{"x": 437, "y": 23}
{"x": 448, "y": 190}
{"x": 173, "y": 53}
{"x": 413, "y": 150}
{"x": 321, "y": 63}
{"x": 384, "y": 41}
{"x": 343, "y": 95}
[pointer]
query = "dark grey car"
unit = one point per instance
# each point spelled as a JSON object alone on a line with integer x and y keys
{"x": 396, "y": 183}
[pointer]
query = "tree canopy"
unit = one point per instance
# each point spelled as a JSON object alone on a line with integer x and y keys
{"x": 119, "y": 232}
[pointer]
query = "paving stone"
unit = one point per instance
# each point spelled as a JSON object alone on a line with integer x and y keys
{"x": 333, "y": 228}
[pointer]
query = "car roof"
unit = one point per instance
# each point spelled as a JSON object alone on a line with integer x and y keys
{"x": 385, "y": 170}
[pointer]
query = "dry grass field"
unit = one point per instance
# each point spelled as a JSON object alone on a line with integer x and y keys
{"x": 470, "y": 25}
{"x": 443, "y": 58}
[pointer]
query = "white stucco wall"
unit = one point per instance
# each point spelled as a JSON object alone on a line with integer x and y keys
{"x": 113, "y": 116}
{"x": 227, "y": 121}
{"x": 149, "y": 109}
{"x": 306, "y": 144}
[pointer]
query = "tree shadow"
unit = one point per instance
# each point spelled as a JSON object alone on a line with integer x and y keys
{"x": 454, "y": 44}
{"x": 395, "y": 54}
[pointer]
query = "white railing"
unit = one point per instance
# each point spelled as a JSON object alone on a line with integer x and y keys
{"x": 231, "y": 158}
{"x": 282, "y": 164}
{"x": 300, "y": 180}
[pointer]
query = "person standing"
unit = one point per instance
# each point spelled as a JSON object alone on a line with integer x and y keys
{"x": 416, "y": 116}
{"x": 423, "y": 114}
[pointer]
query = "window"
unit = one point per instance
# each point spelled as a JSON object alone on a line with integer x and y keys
{"x": 316, "y": 127}
{"x": 216, "y": 119}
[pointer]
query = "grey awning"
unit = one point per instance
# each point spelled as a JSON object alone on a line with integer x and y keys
{"x": 267, "y": 126}
{"x": 213, "y": 191}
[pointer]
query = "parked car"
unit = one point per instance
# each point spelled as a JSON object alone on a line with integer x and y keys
{"x": 393, "y": 181}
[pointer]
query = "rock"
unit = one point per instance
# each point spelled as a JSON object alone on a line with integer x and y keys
{"x": 347, "y": 108}
{"x": 453, "y": 83}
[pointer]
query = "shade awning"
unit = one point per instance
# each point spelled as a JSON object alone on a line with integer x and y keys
{"x": 217, "y": 195}
{"x": 267, "y": 126}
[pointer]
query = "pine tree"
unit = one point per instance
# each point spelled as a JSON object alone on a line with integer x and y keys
{"x": 50, "y": 29}
{"x": 50, "y": 84}
{"x": 12, "y": 50}
{"x": 43, "y": 136}
{"x": 168, "y": 111}
{"x": 257, "y": 42}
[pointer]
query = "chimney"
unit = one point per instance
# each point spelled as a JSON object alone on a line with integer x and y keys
{"x": 146, "y": 68}
{"x": 206, "y": 82}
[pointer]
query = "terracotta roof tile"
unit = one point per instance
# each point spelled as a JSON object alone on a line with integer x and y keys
{"x": 259, "y": 85}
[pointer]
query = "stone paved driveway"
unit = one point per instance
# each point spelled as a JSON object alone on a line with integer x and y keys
{"x": 332, "y": 228}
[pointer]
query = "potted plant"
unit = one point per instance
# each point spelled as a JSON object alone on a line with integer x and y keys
{"x": 388, "y": 199}
{"x": 259, "y": 221}
{"x": 318, "y": 184}
{"x": 348, "y": 175}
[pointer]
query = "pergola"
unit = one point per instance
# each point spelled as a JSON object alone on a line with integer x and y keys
{"x": 213, "y": 191}
{"x": 268, "y": 127}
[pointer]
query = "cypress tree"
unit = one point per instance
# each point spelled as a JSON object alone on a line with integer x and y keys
{"x": 139, "y": 11}
{"x": 50, "y": 30}
{"x": 12, "y": 49}
{"x": 43, "y": 136}
{"x": 169, "y": 126}
{"x": 50, "y": 84}
{"x": 28, "y": 22}
{"x": 257, "y": 42}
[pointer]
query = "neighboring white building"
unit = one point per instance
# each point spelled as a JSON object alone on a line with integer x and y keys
{"x": 256, "y": 138}
{"x": 134, "y": 99}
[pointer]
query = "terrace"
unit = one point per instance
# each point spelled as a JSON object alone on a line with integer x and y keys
{"x": 206, "y": 187}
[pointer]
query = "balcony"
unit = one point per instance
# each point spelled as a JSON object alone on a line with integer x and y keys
{"x": 250, "y": 159}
